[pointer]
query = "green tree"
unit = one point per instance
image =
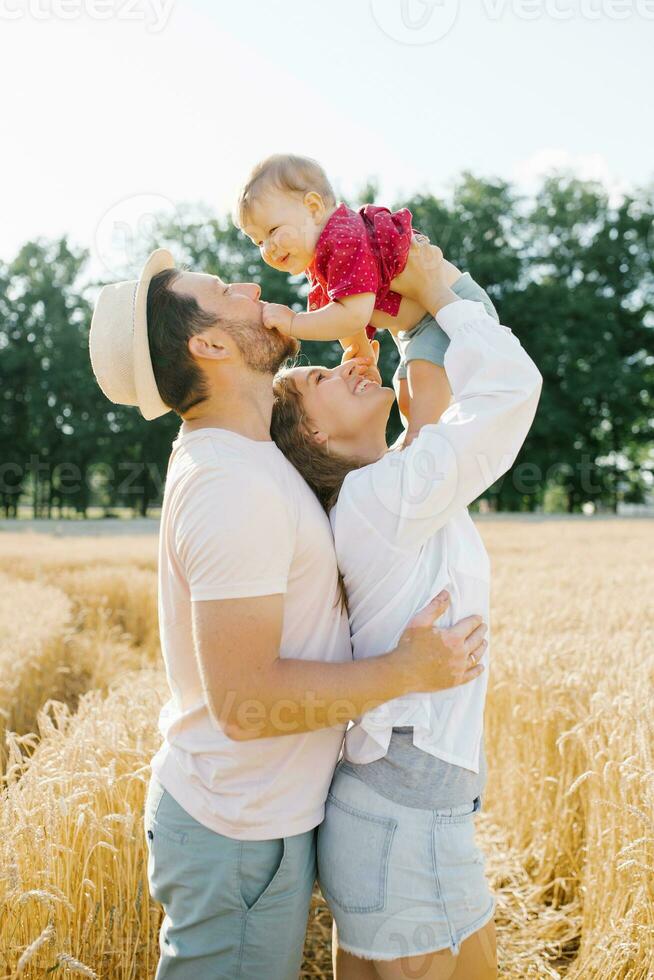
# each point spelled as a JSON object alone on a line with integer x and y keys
{"x": 587, "y": 311}
{"x": 570, "y": 271}
{"x": 46, "y": 373}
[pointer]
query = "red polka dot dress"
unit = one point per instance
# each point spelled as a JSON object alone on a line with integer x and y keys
{"x": 360, "y": 252}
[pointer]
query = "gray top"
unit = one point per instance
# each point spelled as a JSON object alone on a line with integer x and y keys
{"x": 415, "y": 778}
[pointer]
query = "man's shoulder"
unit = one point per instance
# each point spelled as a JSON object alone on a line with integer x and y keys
{"x": 202, "y": 453}
{"x": 223, "y": 465}
{"x": 228, "y": 464}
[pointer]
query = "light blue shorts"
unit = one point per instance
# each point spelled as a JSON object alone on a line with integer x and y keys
{"x": 234, "y": 910}
{"x": 429, "y": 342}
{"x": 400, "y": 881}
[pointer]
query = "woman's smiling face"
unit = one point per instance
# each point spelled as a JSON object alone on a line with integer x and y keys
{"x": 346, "y": 405}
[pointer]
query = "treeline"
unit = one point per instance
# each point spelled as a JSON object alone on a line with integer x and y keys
{"x": 570, "y": 271}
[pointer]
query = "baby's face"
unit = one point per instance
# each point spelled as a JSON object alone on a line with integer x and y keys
{"x": 286, "y": 228}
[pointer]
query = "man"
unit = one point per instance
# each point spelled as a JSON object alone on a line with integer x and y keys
{"x": 254, "y": 633}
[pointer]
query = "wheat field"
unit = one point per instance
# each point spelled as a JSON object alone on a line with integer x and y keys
{"x": 568, "y": 820}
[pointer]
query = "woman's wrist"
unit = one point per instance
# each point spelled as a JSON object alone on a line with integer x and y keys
{"x": 450, "y": 272}
{"x": 441, "y": 295}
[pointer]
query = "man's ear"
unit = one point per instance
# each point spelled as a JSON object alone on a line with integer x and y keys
{"x": 203, "y": 345}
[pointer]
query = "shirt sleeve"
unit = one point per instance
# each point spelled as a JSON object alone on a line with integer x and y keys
{"x": 350, "y": 267}
{"x": 234, "y": 535}
{"x": 468, "y": 288}
{"x": 317, "y": 298}
{"x": 410, "y": 494}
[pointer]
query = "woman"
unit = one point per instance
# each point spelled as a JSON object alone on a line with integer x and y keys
{"x": 397, "y": 859}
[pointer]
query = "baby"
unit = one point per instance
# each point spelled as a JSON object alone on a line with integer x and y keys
{"x": 352, "y": 261}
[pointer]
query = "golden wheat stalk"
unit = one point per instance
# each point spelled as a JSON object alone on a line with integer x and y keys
{"x": 567, "y": 823}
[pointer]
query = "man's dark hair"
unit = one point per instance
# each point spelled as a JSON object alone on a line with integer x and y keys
{"x": 172, "y": 320}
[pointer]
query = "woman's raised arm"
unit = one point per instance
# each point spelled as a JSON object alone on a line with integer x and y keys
{"x": 408, "y": 495}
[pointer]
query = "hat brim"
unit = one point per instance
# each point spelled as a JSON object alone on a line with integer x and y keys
{"x": 149, "y": 399}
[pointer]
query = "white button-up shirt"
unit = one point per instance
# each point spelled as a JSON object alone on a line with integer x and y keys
{"x": 403, "y": 531}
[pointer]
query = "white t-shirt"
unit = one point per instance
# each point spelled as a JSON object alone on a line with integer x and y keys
{"x": 237, "y": 521}
{"x": 403, "y": 532}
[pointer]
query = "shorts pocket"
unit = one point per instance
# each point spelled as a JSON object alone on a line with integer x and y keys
{"x": 353, "y": 853}
{"x": 172, "y": 836}
{"x": 461, "y": 814}
{"x": 158, "y": 822}
{"x": 260, "y": 867}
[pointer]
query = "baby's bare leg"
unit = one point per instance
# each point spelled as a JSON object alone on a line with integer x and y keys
{"x": 403, "y": 400}
{"x": 429, "y": 394}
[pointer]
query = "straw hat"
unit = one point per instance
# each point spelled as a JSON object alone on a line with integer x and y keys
{"x": 118, "y": 341}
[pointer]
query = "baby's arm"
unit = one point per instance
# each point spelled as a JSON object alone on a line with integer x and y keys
{"x": 344, "y": 319}
{"x": 337, "y": 320}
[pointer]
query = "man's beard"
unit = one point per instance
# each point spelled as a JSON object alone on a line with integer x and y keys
{"x": 263, "y": 350}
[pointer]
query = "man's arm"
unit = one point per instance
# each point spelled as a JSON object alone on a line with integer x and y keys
{"x": 253, "y": 693}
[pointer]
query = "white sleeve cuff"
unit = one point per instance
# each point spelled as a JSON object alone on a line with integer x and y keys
{"x": 456, "y": 315}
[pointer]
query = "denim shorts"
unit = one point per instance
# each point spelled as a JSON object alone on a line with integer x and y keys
{"x": 400, "y": 881}
{"x": 427, "y": 341}
{"x": 234, "y": 910}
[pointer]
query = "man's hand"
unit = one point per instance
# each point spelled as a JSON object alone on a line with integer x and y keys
{"x": 263, "y": 695}
{"x": 278, "y": 317}
{"x": 443, "y": 658}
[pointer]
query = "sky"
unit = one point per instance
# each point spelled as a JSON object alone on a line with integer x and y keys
{"x": 114, "y": 110}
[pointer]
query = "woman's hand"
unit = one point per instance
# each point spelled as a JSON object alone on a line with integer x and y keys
{"x": 427, "y": 274}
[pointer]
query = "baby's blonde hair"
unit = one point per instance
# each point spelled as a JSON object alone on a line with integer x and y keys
{"x": 286, "y": 172}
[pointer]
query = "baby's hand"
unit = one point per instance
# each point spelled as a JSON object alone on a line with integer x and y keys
{"x": 279, "y": 317}
{"x": 366, "y": 368}
{"x": 360, "y": 346}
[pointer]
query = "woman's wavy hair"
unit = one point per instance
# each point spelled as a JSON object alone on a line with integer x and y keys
{"x": 290, "y": 428}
